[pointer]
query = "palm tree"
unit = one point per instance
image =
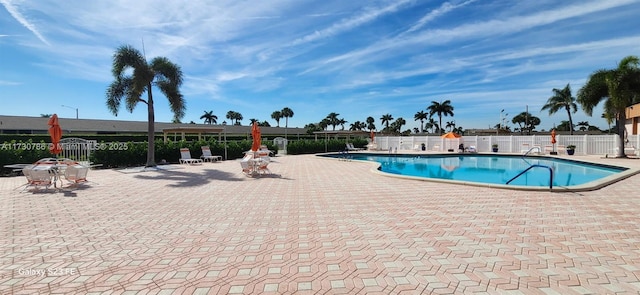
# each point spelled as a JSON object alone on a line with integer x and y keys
{"x": 526, "y": 121}
{"x": 584, "y": 125}
{"x": 562, "y": 99}
{"x": 619, "y": 88}
{"x": 371, "y": 123}
{"x": 209, "y": 118}
{"x": 234, "y": 116}
{"x": 421, "y": 116}
{"x": 386, "y": 119}
{"x": 433, "y": 125}
{"x": 277, "y": 115}
{"x": 135, "y": 76}
{"x": 286, "y": 113}
{"x": 451, "y": 124}
{"x": 332, "y": 119}
{"x": 441, "y": 109}
{"x": 341, "y": 122}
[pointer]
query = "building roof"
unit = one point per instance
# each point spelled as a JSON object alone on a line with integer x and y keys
{"x": 35, "y": 125}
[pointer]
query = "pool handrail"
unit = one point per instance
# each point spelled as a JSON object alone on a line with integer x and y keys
{"x": 533, "y": 166}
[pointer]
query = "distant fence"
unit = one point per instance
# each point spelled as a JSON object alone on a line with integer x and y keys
{"x": 585, "y": 144}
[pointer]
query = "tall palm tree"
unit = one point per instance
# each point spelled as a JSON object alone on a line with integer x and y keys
{"x": 286, "y": 114}
{"x": 209, "y": 118}
{"x": 562, "y": 99}
{"x": 277, "y": 115}
{"x": 386, "y": 119}
{"x": 235, "y": 117}
{"x": 420, "y": 116}
{"x": 441, "y": 109}
{"x": 619, "y": 88}
{"x": 135, "y": 76}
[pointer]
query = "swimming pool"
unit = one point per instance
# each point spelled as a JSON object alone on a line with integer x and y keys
{"x": 494, "y": 170}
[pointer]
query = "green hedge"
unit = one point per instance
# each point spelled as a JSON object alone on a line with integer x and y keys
{"x": 313, "y": 147}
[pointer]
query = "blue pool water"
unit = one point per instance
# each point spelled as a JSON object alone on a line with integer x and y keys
{"x": 492, "y": 169}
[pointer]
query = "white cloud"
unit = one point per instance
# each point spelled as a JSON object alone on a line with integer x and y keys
{"x": 15, "y": 13}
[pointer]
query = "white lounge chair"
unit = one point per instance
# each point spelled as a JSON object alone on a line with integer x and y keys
{"x": 350, "y": 147}
{"x": 246, "y": 163}
{"x": 185, "y": 157}
{"x": 207, "y": 156}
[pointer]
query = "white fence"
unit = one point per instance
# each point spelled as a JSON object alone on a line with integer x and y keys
{"x": 585, "y": 144}
{"x": 77, "y": 149}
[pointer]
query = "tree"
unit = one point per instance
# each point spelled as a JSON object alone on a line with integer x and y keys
{"x": 357, "y": 125}
{"x": 277, "y": 115}
{"x": 563, "y": 126}
{"x": 441, "y": 109}
{"x": 396, "y": 126}
{"x": 386, "y": 119}
{"x": 209, "y": 118}
{"x": 584, "y": 125}
{"x": 526, "y": 122}
{"x": 619, "y": 88}
{"x": 135, "y": 76}
{"x": 562, "y": 99}
{"x": 286, "y": 113}
{"x": 332, "y": 119}
{"x": 371, "y": 123}
{"x": 433, "y": 125}
{"x": 451, "y": 125}
{"x": 45, "y": 115}
{"x": 341, "y": 122}
{"x": 235, "y": 117}
{"x": 420, "y": 116}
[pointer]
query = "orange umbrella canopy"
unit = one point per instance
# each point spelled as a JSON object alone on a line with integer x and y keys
{"x": 451, "y": 135}
{"x": 553, "y": 136}
{"x": 255, "y": 133}
{"x": 56, "y": 133}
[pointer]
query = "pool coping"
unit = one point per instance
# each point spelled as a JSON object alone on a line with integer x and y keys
{"x": 589, "y": 186}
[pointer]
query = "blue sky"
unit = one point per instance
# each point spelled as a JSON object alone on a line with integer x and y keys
{"x": 355, "y": 58}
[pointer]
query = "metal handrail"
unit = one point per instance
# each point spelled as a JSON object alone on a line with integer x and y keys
{"x": 532, "y": 166}
{"x": 535, "y": 147}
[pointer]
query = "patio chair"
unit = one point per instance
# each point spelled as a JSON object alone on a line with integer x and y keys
{"x": 525, "y": 148}
{"x": 206, "y": 155}
{"x": 76, "y": 174}
{"x": 262, "y": 165}
{"x": 185, "y": 157}
{"x": 246, "y": 163}
{"x": 37, "y": 178}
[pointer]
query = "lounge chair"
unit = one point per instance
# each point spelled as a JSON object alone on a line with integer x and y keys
{"x": 207, "y": 156}
{"x": 472, "y": 149}
{"x": 350, "y": 147}
{"x": 247, "y": 163}
{"x": 262, "y": 164}
{"x": 185, "y": 157}
{"x": 525, "y": 148}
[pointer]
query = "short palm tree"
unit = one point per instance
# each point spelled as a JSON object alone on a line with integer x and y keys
{"x": 420, "y": 116}
{"x": 209, "y": 118}
{"x": 441, "y": 109}
{"x": 386, "y": 120}
{"x": 276, "y": 116}
{"x": 562, "y": 99}
{"x": 332, "y": 119}
{"x": 619, "y": 88}
{"x": 135, "y": 76}
{"x": 371, "y": 123}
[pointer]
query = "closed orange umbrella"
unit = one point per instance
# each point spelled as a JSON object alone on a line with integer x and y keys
{"x": 255, "y": 133}
{"x": 56, "y": 134}
{"x": 553, "y": 136}
{"x": 373, "y": 135}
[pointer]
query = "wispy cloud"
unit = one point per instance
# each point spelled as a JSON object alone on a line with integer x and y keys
{"x": 13, "y": 10}
{"x": 434, "y": 14}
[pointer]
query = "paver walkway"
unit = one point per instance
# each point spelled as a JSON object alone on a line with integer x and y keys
{"x": 321, "y": 227}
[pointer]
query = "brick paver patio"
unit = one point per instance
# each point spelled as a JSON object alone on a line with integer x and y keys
{"x": 320, "y": 227}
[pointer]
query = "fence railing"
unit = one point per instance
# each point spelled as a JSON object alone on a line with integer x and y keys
{"x": 585, "y": 144}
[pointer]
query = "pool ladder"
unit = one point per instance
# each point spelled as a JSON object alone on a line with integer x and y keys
{"x": 534, "y": 166}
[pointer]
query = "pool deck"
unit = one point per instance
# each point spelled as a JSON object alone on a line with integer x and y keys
{"x": 317, "y": 226}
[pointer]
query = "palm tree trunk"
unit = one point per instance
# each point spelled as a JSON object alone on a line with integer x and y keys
{"x": 570, "y": 121}
{"x": 151, "y": 131}
{"x": 622, "y": 117}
